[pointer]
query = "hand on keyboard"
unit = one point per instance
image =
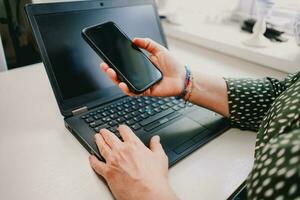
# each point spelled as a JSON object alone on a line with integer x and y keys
{"x": 173, "y": 72}
{"x": 132, "y": 171}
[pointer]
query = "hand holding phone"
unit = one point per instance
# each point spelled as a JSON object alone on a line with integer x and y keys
{"x": 172, "y": 70}
{"x": 131, "y": 65}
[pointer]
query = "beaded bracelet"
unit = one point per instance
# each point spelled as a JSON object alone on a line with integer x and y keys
{"x": 186, "y": 83}
{"x": 190, "y": 88}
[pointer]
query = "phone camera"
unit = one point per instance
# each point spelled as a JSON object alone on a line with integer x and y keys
{"x": 101, "y": 4}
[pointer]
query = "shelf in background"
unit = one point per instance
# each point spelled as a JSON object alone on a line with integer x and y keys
{"x": 227, "y": 38}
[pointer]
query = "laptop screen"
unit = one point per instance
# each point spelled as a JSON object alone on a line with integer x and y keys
{"x": 74, "y": 63}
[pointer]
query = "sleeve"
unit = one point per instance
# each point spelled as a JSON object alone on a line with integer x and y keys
{"x": 250, "y": 99}
{"x": 276, "y": 171}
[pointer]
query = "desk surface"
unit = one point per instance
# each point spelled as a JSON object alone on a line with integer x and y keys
{"x": 40, "y": 159}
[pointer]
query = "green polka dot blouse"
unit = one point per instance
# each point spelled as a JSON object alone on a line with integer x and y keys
{"x": 272, "y": 108}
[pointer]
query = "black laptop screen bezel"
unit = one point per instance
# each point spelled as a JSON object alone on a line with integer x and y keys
{"x": 91, "y": 99}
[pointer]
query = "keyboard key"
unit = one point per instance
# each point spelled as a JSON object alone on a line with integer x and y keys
{"x": 164, "y": 107}
{"x": 137, "y": 118}
{"x": 128, "y": 110}
{"x": 104, "y": 114}
{"x": 130, "y": 122}
{"x": 84, "y": 116}
{"x": 142, "y": 110}
{"x": 113, "y": 129}
{"x": 92, "y": 113}
{"x": 134, "y": 107}
{"x": 113, "y": 116}
{"x": 112, "y": 123}
{"x": 176, "y": 108}
{"x": 182, "y": 105}
{"x": 95, "y": 123}
{"x": 98, "y": 128}
{"x": 141, "y": 105}
{"x": 175, "y": 101}
{"x": 112, "y": 106}
{"x": 128, "y": 116}
{"x": 145, "y": 115}
{"x": 135, "y": 113}
{"x": 106, "y": 119}
{"x": 150, "y": 112}
{"x": 133, "y": 102}
{"x": 120, "y": 119}
{"x": 136, "y": 126}
{"x": 157, "y": 109}
{"x": 156, "y": 117}
{"x": 121, "y": 113}
{"x": 98, "y": 116}
{"x": 160, "y": 102}
{"x": 112, "y": 111}
{"x": 166, "y": 100}
{"x": 89, "y": 120}
{"x": 154, "y": 100}
{"x": 155, "y": 105}
{"x": 170, "y": 104}
{"x": 119, "y": 108}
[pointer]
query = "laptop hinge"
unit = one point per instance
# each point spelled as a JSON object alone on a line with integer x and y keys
{"x": 79, "y": 110}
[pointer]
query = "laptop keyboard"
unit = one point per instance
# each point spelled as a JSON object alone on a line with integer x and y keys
{"x": 136, "y": 112}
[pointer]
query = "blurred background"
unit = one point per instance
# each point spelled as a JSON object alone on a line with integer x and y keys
{"x": 18, "y": 48}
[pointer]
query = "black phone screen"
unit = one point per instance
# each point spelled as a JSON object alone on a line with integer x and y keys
{"x": 125, "y": 57}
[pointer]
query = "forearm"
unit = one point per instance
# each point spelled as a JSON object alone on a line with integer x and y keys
{"x": 210, "y": 92}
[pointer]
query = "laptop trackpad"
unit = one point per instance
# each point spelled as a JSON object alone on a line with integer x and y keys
{"x": 176, "y": 134}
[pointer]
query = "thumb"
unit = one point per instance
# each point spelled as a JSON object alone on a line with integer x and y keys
{"x": 155, "y": 145}
{"x": 99, "y": 166}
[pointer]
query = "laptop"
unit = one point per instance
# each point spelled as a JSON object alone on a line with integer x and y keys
{"x": 86, "y": 97}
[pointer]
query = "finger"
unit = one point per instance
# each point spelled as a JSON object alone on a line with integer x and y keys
{"x": 97, "y": 165}
{"x": 127, "y": 134}
{"x": 125, "y": 89}
{"x": 155, "y": 144}
{"x": 104, "y": 67}
{"x": 123, "y": 86}
{"x": 110, "y": 138}
{"x": 148, "y": 44}
{"x": 104, "y": 149}
{"x": 112, "y": 75}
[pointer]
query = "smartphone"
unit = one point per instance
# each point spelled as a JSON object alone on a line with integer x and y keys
{"x": 131, "y": 65}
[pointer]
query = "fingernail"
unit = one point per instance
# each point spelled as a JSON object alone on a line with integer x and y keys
{"x": 101, "y": 131}
{"x": 97, "y": 135}
{"x": 157, "y": 137}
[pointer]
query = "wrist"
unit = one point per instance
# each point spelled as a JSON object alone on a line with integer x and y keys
{"x": 179, "y": 86}
{"x": 163, "y": 192}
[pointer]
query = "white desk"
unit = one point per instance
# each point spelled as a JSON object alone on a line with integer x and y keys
{"x": 40, "y": 159}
